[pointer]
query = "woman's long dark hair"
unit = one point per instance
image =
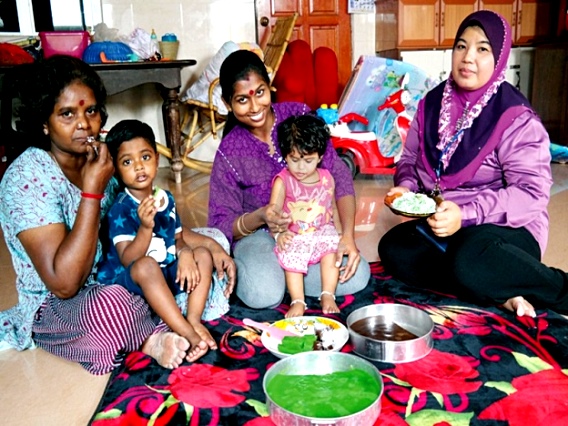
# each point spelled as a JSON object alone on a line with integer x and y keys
{"x": 236, "y": 67}
{"x": 38, "y": 87}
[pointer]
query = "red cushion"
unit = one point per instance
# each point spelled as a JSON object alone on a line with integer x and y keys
{"x": 301, "y": 54}
{"x": 326, "y": 76}
{"x": 289, "y": 85}
{"x": 10, "y": 54}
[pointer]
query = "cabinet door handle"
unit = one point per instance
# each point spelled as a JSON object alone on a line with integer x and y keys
{"x": 514, "y": 19}
{"x": 443, "y": 19}
{"x": 519, "y": 17}
{"x": 436, "y": 22}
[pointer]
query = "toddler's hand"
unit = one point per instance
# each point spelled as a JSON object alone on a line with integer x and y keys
{"x": 284, "y": 239}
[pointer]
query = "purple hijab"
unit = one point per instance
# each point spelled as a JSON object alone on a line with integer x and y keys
{"x": 446, "y": 103}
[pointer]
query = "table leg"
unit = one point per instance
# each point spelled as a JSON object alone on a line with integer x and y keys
{"x": 171, "y": 115}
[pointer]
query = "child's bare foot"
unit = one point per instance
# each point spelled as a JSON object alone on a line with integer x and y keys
{"x": 520, "y": 306}
{"x": 168, "y": 349}
{"x": 205, "y": 335}
{"x": 297, "y": 308}
{"x": 197, "y": 350}
{"x": 327, "y": 302}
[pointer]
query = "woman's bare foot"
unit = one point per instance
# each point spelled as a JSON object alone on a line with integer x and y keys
{"x": 327, "y": 302}
{"x": 297, "y": 308}
{"x": 520, "y": 306}
{"x": 205, "y": 335}
{"x": 168, "y": 349}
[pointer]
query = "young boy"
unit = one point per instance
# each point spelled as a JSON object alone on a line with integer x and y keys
{"x": 147, "y": 253}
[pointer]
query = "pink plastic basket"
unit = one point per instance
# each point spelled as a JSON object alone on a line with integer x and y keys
{"x": 72, "y": 43}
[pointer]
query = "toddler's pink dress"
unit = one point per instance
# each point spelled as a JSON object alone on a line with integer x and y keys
{"x": 311, "y": 209}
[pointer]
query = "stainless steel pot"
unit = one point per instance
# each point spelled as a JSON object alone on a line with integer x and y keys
{"x": 322, "y": 363}
{"x": 409, "y": 318}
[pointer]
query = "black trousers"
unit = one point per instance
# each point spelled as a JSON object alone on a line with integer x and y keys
{"x": 486, "y": 263}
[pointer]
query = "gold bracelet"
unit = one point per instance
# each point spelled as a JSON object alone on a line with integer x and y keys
{"x": 243, "y": 223}
{"x": 239, "y": 227}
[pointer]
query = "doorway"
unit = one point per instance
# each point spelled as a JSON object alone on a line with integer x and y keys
{"x": 320, "y": 23}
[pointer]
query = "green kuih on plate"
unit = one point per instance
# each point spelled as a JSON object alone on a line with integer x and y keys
{"x": 296, "y": 344}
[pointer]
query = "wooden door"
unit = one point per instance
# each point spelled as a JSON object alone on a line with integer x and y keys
{"x": 320, "y": 23}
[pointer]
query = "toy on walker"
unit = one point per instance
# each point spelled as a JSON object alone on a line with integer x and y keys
{"x": 360, "y": 150}
{"x": 375, "y": 112}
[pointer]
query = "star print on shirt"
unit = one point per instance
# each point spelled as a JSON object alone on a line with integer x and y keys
{"x": 119, "y": 221}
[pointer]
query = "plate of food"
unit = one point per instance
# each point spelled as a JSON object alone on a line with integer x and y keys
{"x": 411, "y": 204}
{"x": 309, "y": 334}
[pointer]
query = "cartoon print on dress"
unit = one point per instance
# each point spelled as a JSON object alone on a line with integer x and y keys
{"x": 307, "y": 215}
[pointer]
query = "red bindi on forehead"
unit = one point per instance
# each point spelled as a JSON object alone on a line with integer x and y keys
{"x": 82, "y": 102}
{"x": 251, "y": 92}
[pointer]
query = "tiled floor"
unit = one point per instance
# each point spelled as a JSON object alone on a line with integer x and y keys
{"x": 39, "y": 389}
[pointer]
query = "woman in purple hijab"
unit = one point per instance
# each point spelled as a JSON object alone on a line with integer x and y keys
{"x": 476, "y": 140}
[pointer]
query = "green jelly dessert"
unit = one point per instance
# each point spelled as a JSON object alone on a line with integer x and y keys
{"x": 296, "y": 344}
{"x": 338, "y": 394}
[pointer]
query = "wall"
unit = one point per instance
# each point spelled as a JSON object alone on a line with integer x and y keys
{"x": 202, "y": 27}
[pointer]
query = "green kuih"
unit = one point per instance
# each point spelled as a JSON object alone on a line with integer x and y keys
{"x": 296, "y": 344}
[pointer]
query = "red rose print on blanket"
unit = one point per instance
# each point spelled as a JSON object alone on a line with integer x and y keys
{"x": 440, "y": 372}
{"x": 141, "y": 401}
{"x": 545, "y": 392}
{"x": 207, "y": 386}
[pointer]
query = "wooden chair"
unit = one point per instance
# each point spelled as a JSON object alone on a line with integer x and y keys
{"x": 278, "y": 42}
{"x": 203, "y": 121}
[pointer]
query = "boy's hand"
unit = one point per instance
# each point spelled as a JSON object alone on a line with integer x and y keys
{"x": 146, "y": 212}
{"x": 187, "y": 276}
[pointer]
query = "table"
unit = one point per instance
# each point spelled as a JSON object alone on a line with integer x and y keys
{"x": 121, "y": 76}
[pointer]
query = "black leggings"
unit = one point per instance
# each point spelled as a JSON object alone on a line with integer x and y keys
{"x": 487, "y": 263}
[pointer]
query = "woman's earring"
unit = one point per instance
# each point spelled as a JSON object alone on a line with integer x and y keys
{"x": 45, "y": 131}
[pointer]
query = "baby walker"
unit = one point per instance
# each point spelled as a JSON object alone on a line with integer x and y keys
{"x": 360, "y": 150}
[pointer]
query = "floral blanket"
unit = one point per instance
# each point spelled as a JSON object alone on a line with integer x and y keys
{"x": 488, "y": 367}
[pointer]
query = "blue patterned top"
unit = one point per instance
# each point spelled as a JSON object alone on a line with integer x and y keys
{"x": 123, "y": 224}
{"x": 33, "y": 193}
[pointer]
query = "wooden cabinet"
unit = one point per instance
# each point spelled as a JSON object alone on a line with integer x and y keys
{"x": 427, "y": 24}
{"x": 431, "y": 23}
{"x": 531, "y": 21}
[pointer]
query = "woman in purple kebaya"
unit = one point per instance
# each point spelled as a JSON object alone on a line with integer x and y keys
{"x": 476, "y": 139}
{"x": 245, "y": 164}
